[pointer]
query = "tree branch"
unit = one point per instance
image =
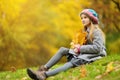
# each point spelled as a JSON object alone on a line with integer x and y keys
{"x": 117, "y": 4}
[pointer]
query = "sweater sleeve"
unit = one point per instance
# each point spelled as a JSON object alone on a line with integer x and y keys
{"x": 96, "y": 45}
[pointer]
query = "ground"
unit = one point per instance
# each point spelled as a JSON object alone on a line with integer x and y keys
{"x": 107, "y": 68}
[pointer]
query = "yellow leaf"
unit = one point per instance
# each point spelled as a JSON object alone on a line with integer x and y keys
{"x": 109, "y": 67}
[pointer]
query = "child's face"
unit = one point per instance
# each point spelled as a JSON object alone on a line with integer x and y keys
{"x": 85, "y": 20}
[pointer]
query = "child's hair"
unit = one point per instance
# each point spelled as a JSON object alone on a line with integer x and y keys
{"x": 92, "y": 29}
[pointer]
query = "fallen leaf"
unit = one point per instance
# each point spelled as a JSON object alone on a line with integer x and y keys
{"x": 24, "y": 78}
{"x": 98, "y": 77}
{"x": 109, "y": 67}
{"x": 13, "y": 69}
{"x": 8, "y": 76}
{"x": 83, "y": 71}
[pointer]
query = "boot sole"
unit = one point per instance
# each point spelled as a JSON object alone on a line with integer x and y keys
{"x": 31, "y": 74}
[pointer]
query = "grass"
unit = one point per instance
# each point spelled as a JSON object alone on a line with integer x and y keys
{"x": 90, "y": 71}
{"x": 18, "y": 75}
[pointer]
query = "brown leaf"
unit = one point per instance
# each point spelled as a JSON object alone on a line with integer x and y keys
{"x": 13, "y": 69}
{"x": 83, "y": 71}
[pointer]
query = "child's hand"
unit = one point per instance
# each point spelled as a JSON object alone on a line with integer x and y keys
{"x": 77, "y": 48}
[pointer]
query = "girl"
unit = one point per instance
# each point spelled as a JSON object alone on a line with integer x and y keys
{"x": 81, "y": 54}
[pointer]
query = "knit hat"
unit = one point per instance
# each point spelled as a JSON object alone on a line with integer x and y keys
{"x": 91, "y": 14}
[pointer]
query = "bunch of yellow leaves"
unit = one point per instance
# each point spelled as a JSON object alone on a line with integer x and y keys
{"x": 79, "y": 38}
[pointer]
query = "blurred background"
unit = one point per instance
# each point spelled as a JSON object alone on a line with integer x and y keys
{"x": 31, "y": 31}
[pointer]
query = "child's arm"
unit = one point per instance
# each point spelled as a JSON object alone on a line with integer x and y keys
{"x": 96, "y": 46}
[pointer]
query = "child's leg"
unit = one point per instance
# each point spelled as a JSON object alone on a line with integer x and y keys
{"x": 60, "y": 69}
{"x": 61, "y": 52}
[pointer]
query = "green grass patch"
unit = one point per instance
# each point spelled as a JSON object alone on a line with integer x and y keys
{"x": 18, "y": 75}
{"x": 92, "y": 71}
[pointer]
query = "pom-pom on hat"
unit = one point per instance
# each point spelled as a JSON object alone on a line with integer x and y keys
{"x": 91, "y": 14}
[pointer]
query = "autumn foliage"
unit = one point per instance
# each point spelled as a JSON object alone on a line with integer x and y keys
{"x": 79, "y": 38}
{"x": 31, "y": 31}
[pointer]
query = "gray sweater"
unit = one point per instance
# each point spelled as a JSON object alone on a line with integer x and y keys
{"x": 92, "y": 50}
